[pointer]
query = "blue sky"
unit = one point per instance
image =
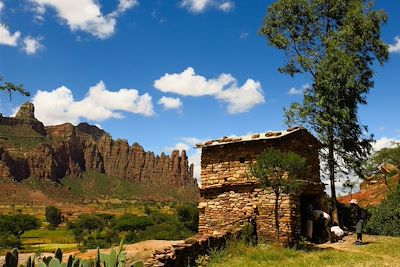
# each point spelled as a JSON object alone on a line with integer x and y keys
{"x": 166, "y": 74}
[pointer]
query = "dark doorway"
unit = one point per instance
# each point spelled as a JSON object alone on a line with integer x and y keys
{"x": 305, "y": 201}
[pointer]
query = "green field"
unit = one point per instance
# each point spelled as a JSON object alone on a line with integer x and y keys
{"x": 44, "y": 240}
{"x": 381, "y": 251}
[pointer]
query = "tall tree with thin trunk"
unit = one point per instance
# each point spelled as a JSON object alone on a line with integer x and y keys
{"x": 335, "y": 43}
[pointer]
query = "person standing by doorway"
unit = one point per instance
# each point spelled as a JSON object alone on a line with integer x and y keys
{"x": 359, "y": 216}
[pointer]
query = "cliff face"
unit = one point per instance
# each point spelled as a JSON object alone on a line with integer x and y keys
{"x": 28, "y": 149}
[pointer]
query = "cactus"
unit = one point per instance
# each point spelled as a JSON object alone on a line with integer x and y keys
{"x": 70, "y": 261}
{"x": 58, "y": 255}
{"x": 11, "y": 259}
{"x": 30, "y": 262}
{"x": 114, "y": 259}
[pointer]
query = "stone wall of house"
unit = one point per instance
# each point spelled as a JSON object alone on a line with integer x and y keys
{"x": 222, "y": 211}
{"x": 228, "y": 164}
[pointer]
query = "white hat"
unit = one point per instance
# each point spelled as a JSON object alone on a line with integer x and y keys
{"x": 354, "y": 201}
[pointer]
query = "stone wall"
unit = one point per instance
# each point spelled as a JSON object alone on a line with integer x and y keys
{"x": 228, "y": 164}
{"x": 230, "y": 194}
{"x": 221, "y": 212}
{"x": 186, "y": 253}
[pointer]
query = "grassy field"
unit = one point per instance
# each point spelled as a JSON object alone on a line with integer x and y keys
{"x": 379, "y": 251}
{"x": 44, "y": 240}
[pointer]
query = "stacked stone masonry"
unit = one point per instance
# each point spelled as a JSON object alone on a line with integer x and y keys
{"x": 229, "y": 195}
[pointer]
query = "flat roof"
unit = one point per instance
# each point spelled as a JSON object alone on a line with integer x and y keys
{"x": 254, "y": 137}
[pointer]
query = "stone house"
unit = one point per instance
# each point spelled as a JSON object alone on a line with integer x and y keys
{"x": 230, "y": 196}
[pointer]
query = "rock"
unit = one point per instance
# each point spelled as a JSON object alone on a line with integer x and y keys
{"x": 70, "y": 150}
{"x": 26, "y": 111}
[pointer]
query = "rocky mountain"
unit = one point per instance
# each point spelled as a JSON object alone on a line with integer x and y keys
{"x": 29, "y": 149}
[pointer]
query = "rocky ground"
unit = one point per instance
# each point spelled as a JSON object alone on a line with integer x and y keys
{"x": 138, "y": 251}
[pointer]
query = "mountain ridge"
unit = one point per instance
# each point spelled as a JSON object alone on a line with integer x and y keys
{"x": 28, "y": 149}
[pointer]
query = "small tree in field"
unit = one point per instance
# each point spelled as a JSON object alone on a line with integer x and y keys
{"x": 53, "y": 216}
{"x": 349, "y": 185}
{"x": 279, "y": 171}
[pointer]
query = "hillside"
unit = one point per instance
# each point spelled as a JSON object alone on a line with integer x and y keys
{"x": 375, "y": 188}
{"x": 84, "y": 160}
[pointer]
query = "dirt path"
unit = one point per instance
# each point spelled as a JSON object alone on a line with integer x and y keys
{"x": 138, "y": 251}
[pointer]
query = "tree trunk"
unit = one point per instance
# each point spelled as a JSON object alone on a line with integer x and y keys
{"x": 331, "y": 166}
{"x": 276, "y": 216}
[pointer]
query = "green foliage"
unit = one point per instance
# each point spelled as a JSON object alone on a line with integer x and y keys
{"x": 188, "y": 214}
{"x": 95, "y": 185}
{"x": 129, "y": 222}
{"x": 10, "y": 88}
{"x": 278, "y": 170}
{"x": 53, "y": 216}
{"x": 336, "y": 43}
{"x": 385, "y": 218}
{"x": 385, "y": 155}
{"x": 13, "y": 226}
{"x": 116, "y": 258}
{"x": 382, "y": 251}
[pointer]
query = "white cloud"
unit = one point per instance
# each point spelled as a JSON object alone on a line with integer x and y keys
{"x": 226, "y": 6}
{"x": 242, "y": 99}
{"x": 384, "y": 142}
{"x": 194, "y": 155}
{"x": 170, "y": 102}
{"x": 179, "y": 146}
{"x": 31, "y": 45}
{"x": 298, "y": 91}
{"x": 7, "y": 38}
{"x": 58, "y": 106}
{"x": 84, "y": 15}
{"x": 195, "y": 158}
{"x": 224, "y": 88}
{"x": 199, "y": 6}
{"x": 396, "y": 47}
{"x": 127, "y": 4}
{"x": 1, "y": 5}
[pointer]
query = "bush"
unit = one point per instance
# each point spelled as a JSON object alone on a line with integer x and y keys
{"x": 188, "y": 214}
{"x": 53, "y": 216}
{"x": 385, "y": 219}
{"x": 12, "y": 227}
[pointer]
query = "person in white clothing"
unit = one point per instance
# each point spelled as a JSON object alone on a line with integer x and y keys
{"x": 337, "y": 233}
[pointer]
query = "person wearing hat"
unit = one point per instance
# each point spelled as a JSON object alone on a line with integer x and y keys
{"x": 359, "y": 216}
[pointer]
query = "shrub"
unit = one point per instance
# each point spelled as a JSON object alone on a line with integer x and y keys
{"x": 188, "y": 214}
{"x": 385, "y": 219}
{"x": 53, "y": 216}
{"x": 12, "y": 227}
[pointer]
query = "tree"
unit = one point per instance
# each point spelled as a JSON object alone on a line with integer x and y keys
{"x": 278, "y": 170}
{"x": 335, "y": 43}
{"x": 349, "y": 185}
{"x": 385, "y": 218}
{"x": 53, "y": 216}
{"x": 10, "y": 87}
{"x": 12, "y": 227}
{"x": 386, "y": 161}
